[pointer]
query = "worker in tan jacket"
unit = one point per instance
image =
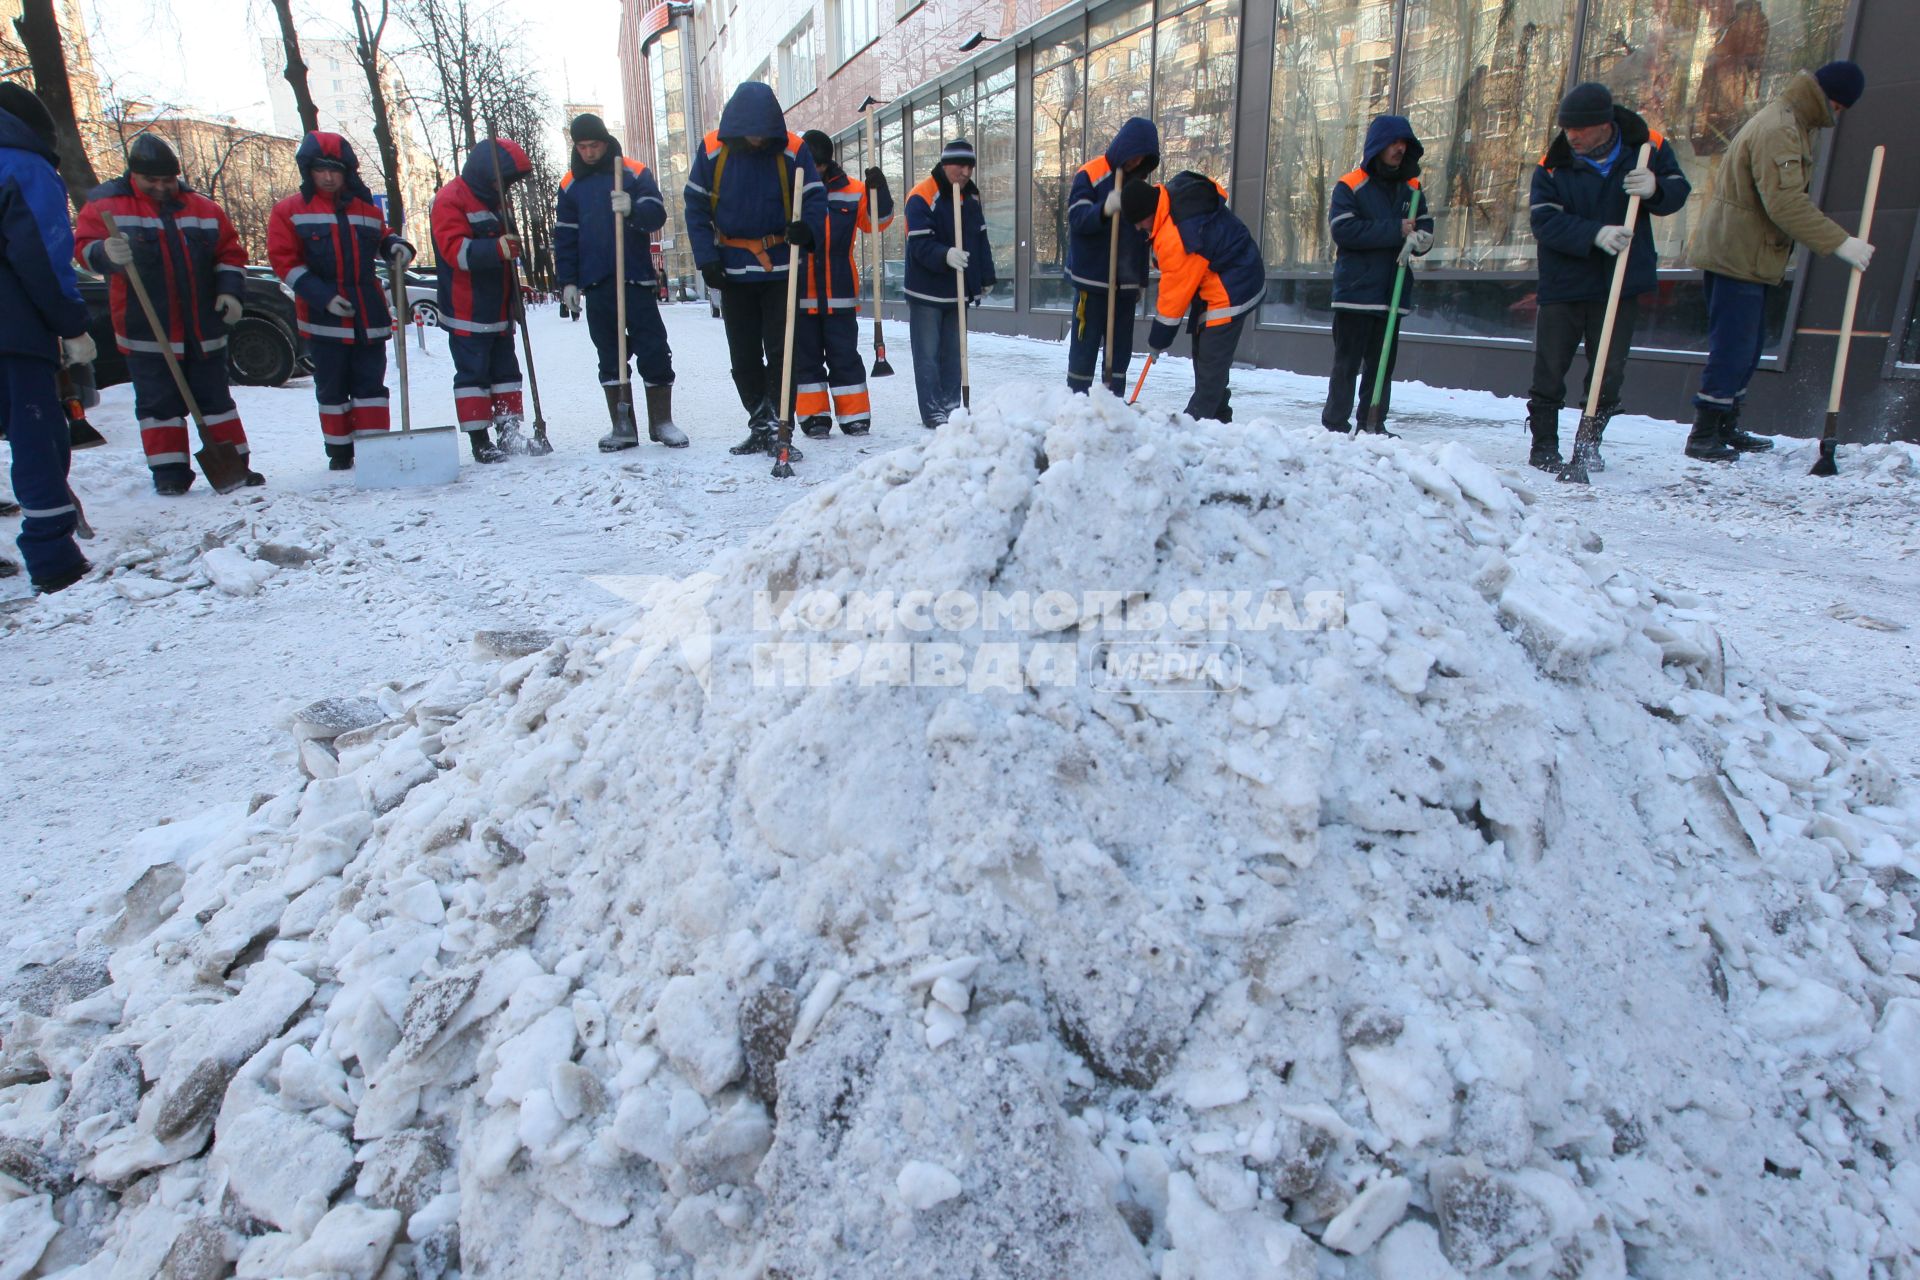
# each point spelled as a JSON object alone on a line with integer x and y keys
{"x": 1759, "y": 207}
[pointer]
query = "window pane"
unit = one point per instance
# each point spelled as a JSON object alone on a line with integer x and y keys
{"x": 1068, "y": 44}
{"x": 1116, "y": 20}
{"x": 1698, "y": 71}
{"x": 893, "y": 160}
{"x": 1057, "y": 117}
{"x": 1194, "y": 66}
{"x": 997, "y": 185}
{"x": 1480, "y": 80}
{"x": 855, "y": 24}
{"x": 673, "y": 152}
{"x": 956, "y": 114}
{"x": 1119, "y": 85}
{"x": 1330, "y": 77}
{"x": 926, "y": 138}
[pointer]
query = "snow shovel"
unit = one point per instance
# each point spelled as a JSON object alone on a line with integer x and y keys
{"x": 1830, "y": 434}
{"x": 620, "y": 321}
{"x": 783, "y": 453}
{"x": 1113, "y": 290}
{"x": 403, "y": 459}
{"x": 881, "y": 369}
{"x": 960, "y": 293}
{"x": 1144, "y": 369}
{"x": 220, "y": 462}
{"x": 81, "y": 434}
{"x": 1587, "y": 438}
{"x": 1375, "y": 414}
{"x": 539, "y": 446}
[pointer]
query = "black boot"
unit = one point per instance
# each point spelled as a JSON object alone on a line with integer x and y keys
{"x": 1741, "y": 441}
{"x": 484, "y": 449}
{"x": 61, "y": 581}
{"x": 817, "y": 426}
{"x": 1707, "y": 441}
{"x": 339, "y": 457}
{"x": 1544, "y": 423}
{"x": 172, "y": 479}
{"x": 1594, "y": 461}
{"x": 625, "y": 434}
{"x": 660, "y": 425}
{"x": 856, "y": 427}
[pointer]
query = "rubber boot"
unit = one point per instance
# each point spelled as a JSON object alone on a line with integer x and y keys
{"x": 172, "y": 479}
{"x": 1741, "y": 441}
{"x": 817, "y": 426}
{"x": 1544, "y": 423}
{"x": 1707, "y": 441}
{"x": 1594, "y": 461}
{"x": 484, "y": 449}
{"x": 61, "y": 581}
{"x": 759, "y": 431}
{"x": 625, "y": 434}
{"x": 660, "y": 425}
{"x": 856, "y": 427}
{"x": 339, "y": 457}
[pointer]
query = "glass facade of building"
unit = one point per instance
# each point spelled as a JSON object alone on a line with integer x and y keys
{"x": 673, "y": 153}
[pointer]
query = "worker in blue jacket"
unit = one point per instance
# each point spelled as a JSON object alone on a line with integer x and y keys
{"x": 1093, "y": 206}
{"x": 936, "y": 269}
{"x": 1370, "y": 218}
{"x": 745, "y": 240}
{"x": 588, "y": 207}
{"x": 43, "y": 323}
{"x": 1580, "y": 193}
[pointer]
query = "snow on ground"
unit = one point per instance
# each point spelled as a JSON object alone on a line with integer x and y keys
{"x": 1323, "y": 945}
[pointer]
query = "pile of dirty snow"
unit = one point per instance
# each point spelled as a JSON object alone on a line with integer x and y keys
{"x": 1080, "y": 846}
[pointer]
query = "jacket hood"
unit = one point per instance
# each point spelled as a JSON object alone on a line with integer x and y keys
{"x": 609, "y": 161}
{"x": 1191, "y": 194}
{"x": 1632, "y": 129}
{"x": 17, "y": 135}
{"x": 753, "y": 111}
{"x": 1808, "y": 101}
{"x": 1137, "y": 137}
{"x": 1383, "y": 132}
{"x": 477, "y": 172}
{"x": 329, "y": 146}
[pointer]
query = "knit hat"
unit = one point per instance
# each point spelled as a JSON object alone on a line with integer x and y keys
{"x": 1843, "y": 82}
{"x": 959, "y": 151}
{"x": 1586, "y": 105}
{"x": 588, "y": 127}
{"x": 819, "y": 144}
{"x": 19, "y": 102}
{"x": 151, "y": 157}
{"x": 1139, "y": 201}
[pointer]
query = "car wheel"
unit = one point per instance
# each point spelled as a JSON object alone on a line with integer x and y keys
{"x": 428, "y": 312}
{"x": 259, "y": 352}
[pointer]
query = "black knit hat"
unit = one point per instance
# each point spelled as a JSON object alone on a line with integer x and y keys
{"x": 151, "y": 157}
{"x": 819, "y": 144}
{"x": 1586, "y": 105}
{"x": 1139, "y": 201}
{"x": 959, "y": 151}
{"x": 19, "y": 102}
{"x": 588, "y": 127}
{"x": 1842, "y": 81}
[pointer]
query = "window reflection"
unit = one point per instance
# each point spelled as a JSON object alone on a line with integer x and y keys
{"x": 1119, "y": 85}
{"x": 998, "y": 178}
{"x": 1195, "y": 56}
{"x": 1058, "y": 115}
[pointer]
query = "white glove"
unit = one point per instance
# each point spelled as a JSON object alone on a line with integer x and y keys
{"x": 1855, "y": 252}
{"x": 339, "y": 306}
{"x": 957, "y": 259}
{"x": 1112, "y": 206}
{"x": 80, "y": 350}
{"x": 1613, "y": 239}
{"x": 1640, "y": 183}
{"x": 570, "y": 297}
{"x": 622, "y": 203}
{"x": 119, "y": 250}
{"x": 402, "y": 254}
{"x": 229, "y": 308}
{"x": 1406, "y": 251}
{"x": 1421, "y": 241}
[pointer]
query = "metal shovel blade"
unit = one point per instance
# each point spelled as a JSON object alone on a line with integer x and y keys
{"x": 1829, "y": 448}
{"x": 222, "y": 465}
{"x": 407, "y": 459}
{"x": 82, "y": 434}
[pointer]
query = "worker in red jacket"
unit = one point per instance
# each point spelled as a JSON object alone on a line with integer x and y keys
{"x": 476, "y": 306}
{"x": 828, "y": 373}
{"x": 191, "y": 263}
{"x": 324, "y": 244}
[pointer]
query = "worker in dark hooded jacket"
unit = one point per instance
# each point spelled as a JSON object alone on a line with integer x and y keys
{"x": 42, "y": 322}
{"x": 1093, "y": 210}
{"x": 745, "y": 239}
{"x": 324, "y": 244}
{"x": 590, "y": 205}
{"x": 476, "y": 306}
{"x": 936, "y": 270}
{"x": 830, "y": 379}
{"x": 1211, "y": 277}
{"x": 1370, "y": 216}
{"x": 1580, "y": 192}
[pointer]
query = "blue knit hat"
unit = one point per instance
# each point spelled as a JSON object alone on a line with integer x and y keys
{"x": 1586, "y": 105}
{"x": 1842, "y": 81}
{"x": 959, "y": 151}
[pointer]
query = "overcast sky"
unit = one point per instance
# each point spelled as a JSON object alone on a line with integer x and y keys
{"x": 205, "y": 54}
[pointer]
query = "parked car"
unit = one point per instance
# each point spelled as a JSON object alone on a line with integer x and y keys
{"x": 423, "y": 294}
{"x": 263, "y": 350}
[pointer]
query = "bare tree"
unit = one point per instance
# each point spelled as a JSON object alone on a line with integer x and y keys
{"x": 296, "y": 69}
{"x": 366, "y": 51}
{"x": 40, "y": 32}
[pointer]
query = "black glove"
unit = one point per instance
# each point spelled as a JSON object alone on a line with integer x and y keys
{"x": 800, "y": 235}
{"x": 1161, "y": 335}
{"x": 714, "y": 274}
{"x": 877, "y": 183}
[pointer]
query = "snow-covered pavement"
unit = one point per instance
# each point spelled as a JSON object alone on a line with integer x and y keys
{"x": 125, "y": 712}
